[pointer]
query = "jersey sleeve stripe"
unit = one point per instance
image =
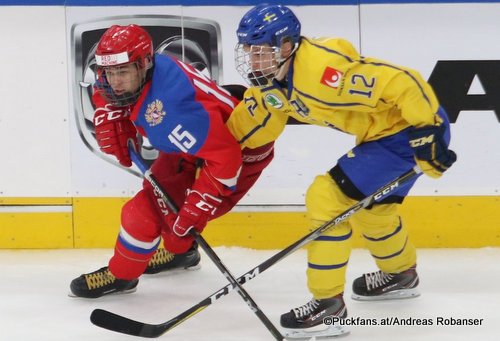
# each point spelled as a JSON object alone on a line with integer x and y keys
{"x": 332, "y": 104}
{"x": 424, "y": 95}
{"x": 255, "y": 129}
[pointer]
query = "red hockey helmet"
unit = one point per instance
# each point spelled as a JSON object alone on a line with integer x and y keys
{"x": 120, "y": 46}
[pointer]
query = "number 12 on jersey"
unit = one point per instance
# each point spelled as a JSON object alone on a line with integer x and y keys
{"x": 362, "y": 82}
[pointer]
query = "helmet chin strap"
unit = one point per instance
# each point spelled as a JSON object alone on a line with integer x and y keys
{"x": 258, "y": 81}
{"x": 283, "y": 64}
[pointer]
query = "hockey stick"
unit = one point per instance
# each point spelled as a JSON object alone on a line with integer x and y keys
{"x": 125, "y": 325}
{"x": 139, "y": 162}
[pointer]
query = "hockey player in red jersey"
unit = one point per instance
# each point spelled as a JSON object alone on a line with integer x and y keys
{"x": 202, "y": 164}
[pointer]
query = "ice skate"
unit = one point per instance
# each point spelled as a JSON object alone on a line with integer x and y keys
{"x": 379, "y": 285}
{"x": 164, "y": 260}
{"x": 100, "y": 283}
{"x": 315, "y": 319}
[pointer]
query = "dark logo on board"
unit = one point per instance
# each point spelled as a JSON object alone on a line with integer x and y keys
{"x": 199, "y": 47}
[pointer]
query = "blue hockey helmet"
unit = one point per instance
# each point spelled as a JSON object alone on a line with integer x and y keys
{"x": 268, "y": 24}
{"x": 261, "y": 34}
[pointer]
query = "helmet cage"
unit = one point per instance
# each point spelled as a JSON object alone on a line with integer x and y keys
{"x": 119, "y": 100}
{"x": 257, "y": 64}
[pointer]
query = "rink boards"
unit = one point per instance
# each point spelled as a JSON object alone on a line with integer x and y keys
{"x": 58, "y": 191}
{"x": 94, "y": 222}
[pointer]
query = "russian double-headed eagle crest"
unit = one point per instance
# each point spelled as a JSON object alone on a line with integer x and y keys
{"x": 154, "y": 113}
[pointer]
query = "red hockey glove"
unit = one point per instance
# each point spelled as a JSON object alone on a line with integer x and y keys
{"x": 197, "y": 209}
{"x": 431, "y": 151}
{"x": 113, "y": 129}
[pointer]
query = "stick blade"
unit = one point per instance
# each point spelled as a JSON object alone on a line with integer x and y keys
{"x": 108, "y": 320}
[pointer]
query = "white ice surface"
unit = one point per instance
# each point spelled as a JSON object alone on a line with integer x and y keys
{"x": 455, "y": 283}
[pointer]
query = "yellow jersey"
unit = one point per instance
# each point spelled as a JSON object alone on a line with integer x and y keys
{"x": 330, "y": 84}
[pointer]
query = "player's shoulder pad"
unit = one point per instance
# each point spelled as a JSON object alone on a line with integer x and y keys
{"x": 339, "y": 45}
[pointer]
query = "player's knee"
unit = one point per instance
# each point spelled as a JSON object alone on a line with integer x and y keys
{"x": 139, "y": 218}
{"x": 325, "y": 200}
{"x": 379, "y": 217}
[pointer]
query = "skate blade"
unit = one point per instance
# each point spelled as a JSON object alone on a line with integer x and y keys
{"x": 392, "y": 295}
{"x": 174, "y": 271}
{"x": 332, "y": 331}
{"x": 123, "y": 292}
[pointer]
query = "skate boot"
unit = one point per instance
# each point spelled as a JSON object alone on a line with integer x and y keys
{"x": 379, "y": 285}
{"x": 317, "y": 318}
{"x": 164, "y": 260}
{"x": 100, "y": 283}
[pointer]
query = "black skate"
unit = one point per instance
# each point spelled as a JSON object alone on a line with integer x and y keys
{"x": 317, "y": 318}
{"x": 164, "y": 260}
{"x": 379, "y": 285}
{"x": 100, "y": 283}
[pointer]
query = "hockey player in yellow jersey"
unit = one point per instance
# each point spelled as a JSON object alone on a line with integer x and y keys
{"x": 397, "y": 122}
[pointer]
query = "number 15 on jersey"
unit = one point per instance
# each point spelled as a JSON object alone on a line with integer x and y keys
{"x": 182, "y": 139}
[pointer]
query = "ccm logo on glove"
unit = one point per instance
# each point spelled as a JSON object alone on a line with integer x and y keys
{"x": 104, "y": 115}
{"x": 422, "y": 141}
{"x": 205, "y": 206}
{"x": 431, "y": 150}
{"x": 113, "y": 129}
{"x": 195, "y": 213}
